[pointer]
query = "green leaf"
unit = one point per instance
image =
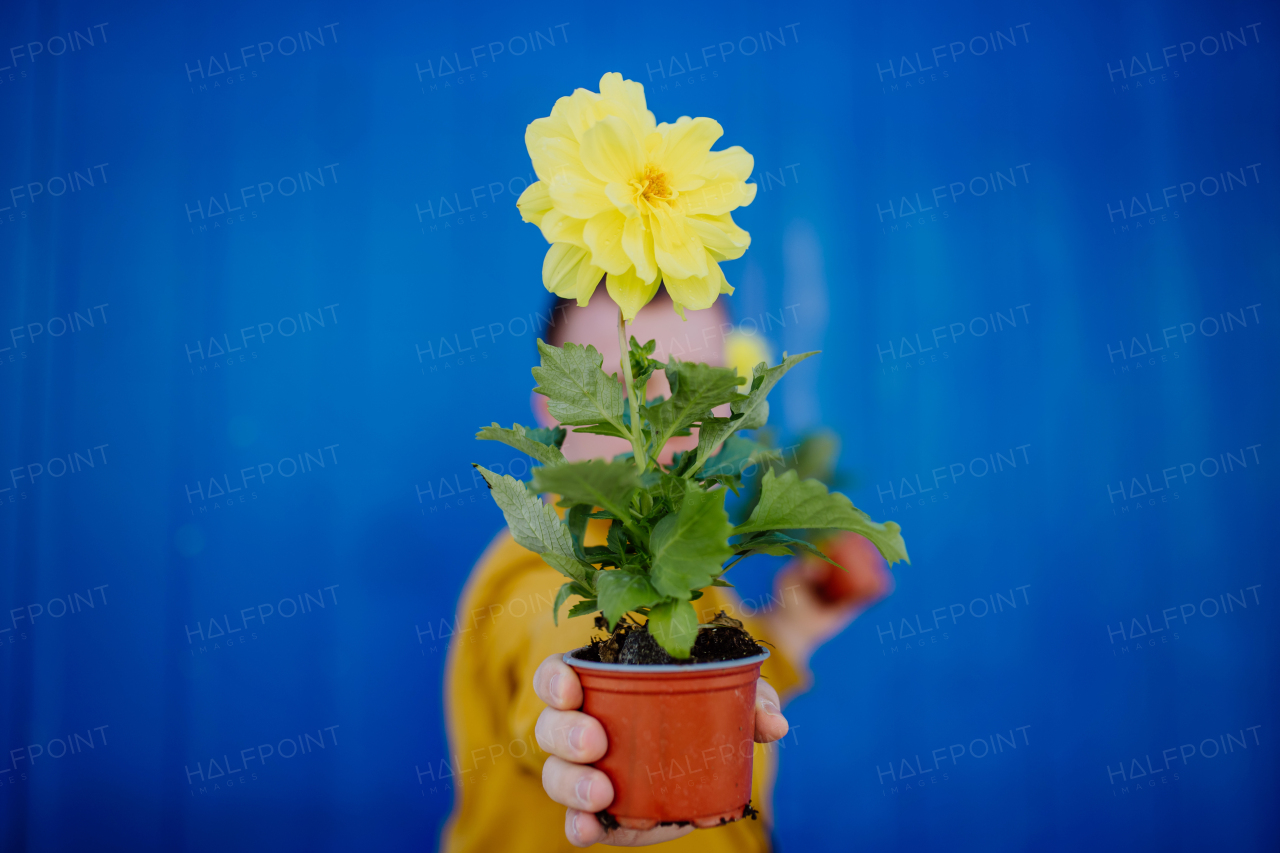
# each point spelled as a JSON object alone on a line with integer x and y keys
{"x": 553, "y": 436}
{"x": 721, "y": 582}
{"x": 561, "y": 597}
{"x": 607, "y": 428}
{"x": 749, "y": 412}
{"x": 696, "y": 389}
{"x": 789, "y": 503}
{"x": 584, "y": 608}
{"x": 599, "y": 555}
{"x": 689, "y": 547}
{"x": 773, "y": 549}
{"x": 813, "y": 549}
{"x": 735, "y": 456}
{"x": 758, "y": 417}
{"x": 667, "y": 487}
{"x": 534, "y": 524}
{"x": 578, "y": 391}
{"x": 572, "y": 588}
{"x": 711, "y": 432}
{"x": 674, "y": 624}
{"x": 617, "y": 538}
{"x": 778, "y": 544}
{"x": 577, "y": 518}
{"x": 608, "y": 485}
{"x": 568, "y": 566}
{"x": 762, "y": 382}
{"x": 642, "y": 365}
{"x": 730, "y": 483}
{"x": 622, "y": 591}
{"x": 522, "y": 439}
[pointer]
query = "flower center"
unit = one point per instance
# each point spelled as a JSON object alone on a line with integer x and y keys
{"x": 653, "y": 185}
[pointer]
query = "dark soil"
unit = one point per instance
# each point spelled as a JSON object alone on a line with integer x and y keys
{"x": 721, "y": 639}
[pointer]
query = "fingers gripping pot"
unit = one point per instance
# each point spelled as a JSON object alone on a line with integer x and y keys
{"x": 681, "y": 738}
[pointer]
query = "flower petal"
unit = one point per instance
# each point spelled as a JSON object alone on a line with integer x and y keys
{"x": 622, "y": 196}
{"x": 718, "y": 197}
{"x": 567, "y": 271}
{"x": 697, "y": 292}
{"x": 626, "y": 99}
{"x": 714, "y": 270}
{"x": 550, "y": 142}
{"x": 611, "y": 151}
{"x": 552, "y": 154}
{"x": 579, "y": 111}
{"x": 534, "y": 202}
{"x": 721, "y": 236}
{"x": 552, "y": 126}
{"x": 557, "y": 227}
{"x": 637, "y": 242}
{"x": 572, "y": 188}
{"x": 676, "y": 247}
{"x": 630, "y": 292}
{"x": 577, "y": 193}
{"x": 688, "y": 142}
{"x": 652, "y": 145}
{"x": 733, "y": 163}
{"x": 603, "y": 237}
{"x": 589, "y": 276}
{"x": 687, "y": 183}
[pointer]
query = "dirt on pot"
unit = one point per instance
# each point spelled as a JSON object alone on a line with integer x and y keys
{"x": 721, "y": 639}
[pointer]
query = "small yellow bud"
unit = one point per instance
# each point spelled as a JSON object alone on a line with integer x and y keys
{"x": 743, "y": 352}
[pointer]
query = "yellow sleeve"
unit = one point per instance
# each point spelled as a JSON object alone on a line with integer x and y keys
{"x": 539, "y": 637}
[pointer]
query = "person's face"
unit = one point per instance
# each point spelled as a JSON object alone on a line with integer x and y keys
{"x": 699, "y": 338}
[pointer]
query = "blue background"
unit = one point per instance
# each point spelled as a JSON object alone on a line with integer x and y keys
{"x": 845, "y": 135}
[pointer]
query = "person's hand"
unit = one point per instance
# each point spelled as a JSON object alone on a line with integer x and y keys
{"x": 818, "y": 600}
{"x": 861, "y": 578}
{"x": 574, "y": 740}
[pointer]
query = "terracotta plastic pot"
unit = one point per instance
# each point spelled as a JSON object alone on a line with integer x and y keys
{"x": 681, "y": 738}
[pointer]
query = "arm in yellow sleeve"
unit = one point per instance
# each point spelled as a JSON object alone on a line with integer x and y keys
{"x": 490, "y": 678}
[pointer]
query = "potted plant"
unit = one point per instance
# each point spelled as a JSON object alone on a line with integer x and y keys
{"x": 635, "y": 205}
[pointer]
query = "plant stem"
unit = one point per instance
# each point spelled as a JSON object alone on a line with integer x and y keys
{"x": 637, "y": 440}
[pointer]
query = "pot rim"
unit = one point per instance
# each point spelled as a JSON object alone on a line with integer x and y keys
{"x": 661, "y": 669}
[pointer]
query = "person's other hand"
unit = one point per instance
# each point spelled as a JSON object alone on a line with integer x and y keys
{"x": 574, "y": 740}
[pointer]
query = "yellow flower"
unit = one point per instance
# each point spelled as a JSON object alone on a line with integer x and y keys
{"x": 641, "y": 202}
{"x": 743, "y": 352}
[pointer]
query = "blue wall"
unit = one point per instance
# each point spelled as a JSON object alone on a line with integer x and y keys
{"x": 1035, "y": 245}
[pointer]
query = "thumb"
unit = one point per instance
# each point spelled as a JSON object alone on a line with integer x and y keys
{"x": 770, "y": 724}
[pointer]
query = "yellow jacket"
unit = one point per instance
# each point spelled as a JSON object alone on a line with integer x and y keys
{"x": 505, "y": 631}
